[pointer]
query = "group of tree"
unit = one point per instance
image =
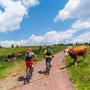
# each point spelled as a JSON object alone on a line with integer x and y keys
{"x": 12, "y": 46}
{"x": 71, "y": 44}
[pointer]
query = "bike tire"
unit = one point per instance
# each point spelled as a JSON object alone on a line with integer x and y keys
{"x": 48, "y": 68}
{"x": 28, "y": 74}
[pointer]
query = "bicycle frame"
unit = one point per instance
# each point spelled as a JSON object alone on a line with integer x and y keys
{"x": 28, "y": 75}
{"x": 48, "y": 65}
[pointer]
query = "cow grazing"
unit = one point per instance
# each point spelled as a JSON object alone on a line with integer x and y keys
{"x": 74, "y": 52}
{"x": 11, "y": 57}
{"x": 19, "y": 54}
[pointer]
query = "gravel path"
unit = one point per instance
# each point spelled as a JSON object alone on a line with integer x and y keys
{"x": 57, "y": 80}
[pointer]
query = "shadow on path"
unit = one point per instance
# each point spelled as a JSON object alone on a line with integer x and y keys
{"x": 42, "y": 72}
{"x": 21, "y": 78}
{"x": 70, "y": 65}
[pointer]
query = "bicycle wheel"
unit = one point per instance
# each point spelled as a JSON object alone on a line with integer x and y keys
{"x": 28, "y": 75}
{"x": 48, "y": 68}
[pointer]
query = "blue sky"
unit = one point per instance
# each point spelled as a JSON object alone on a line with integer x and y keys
{"x": 44, "y": 21}
{"x": 38, "y": 21}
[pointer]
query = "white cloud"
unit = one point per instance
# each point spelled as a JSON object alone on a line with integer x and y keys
{"x": 14, "y": 12}
{"x": 8, "y": 43}
{"x": 83, "y": 38}
{"x": 79, "y": 10}
{"x": 68, "y": 10}
{"x": 51, "y": 37}
{"x": 29, "y": 3}
{"x": 79, "y": 25}
{"x": 75, "y": 9}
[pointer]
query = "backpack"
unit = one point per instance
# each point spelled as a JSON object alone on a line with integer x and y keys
{"x": 49, "y": 52}
{"x": 28, "y": 55}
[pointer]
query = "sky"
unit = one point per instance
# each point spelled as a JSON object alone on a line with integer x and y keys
{"x": 41, "y": 22}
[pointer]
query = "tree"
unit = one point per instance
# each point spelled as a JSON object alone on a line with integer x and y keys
{"x": 17, "y": 46}
{"x": 0, "y": 47}
{"x": 12, "y": 46}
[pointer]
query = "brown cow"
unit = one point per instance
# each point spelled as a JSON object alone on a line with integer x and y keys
{"x": 74, "y": 52}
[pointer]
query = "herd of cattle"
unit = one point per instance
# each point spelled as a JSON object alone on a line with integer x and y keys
{"x": 12, "y": 56}
{"x": 76, "y": 51}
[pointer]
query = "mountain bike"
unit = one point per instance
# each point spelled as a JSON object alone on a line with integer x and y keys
{"x": 29, "y": 72}
{"x": 48, "y": 65}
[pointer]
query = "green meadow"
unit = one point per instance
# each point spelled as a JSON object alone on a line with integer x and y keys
{"x": 6, "y": 68}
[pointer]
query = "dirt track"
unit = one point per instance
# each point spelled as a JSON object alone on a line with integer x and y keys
{"x": 57, "y": 80}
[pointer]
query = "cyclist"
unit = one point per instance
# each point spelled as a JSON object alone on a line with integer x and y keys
{"x": 29, "y": 55}
{"x": 48, "y": 56}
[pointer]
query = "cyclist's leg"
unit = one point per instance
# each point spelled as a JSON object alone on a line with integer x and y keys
{"x": 30, "y": 72}
{"x": 46, "y": 63}
{"x": 28, "y": 64}
{"x": 33, "y": 67}
{"x": 47, "y": 66}
{"x": 27, "y": 75}
{"x": 30, "y": 68}
{"x": 50, "y": 62}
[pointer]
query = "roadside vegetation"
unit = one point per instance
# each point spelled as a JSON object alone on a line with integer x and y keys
{"x": 80, "y": 74}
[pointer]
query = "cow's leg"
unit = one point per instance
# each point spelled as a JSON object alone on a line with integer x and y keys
{"x": 84, "y": 57}
{"x": 75, "y": 60}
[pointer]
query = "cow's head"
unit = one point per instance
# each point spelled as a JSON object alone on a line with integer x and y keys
{"x": 66, "y": 52}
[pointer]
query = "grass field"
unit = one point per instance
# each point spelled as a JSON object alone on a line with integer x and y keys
{"x": 80, "y": 74}
{"x": 7, "y": 68}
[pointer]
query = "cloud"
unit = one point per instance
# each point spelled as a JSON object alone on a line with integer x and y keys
{"x": 8, "y": 43}
{"x": 74, "y": 9}
{"x": 79, "y": 11}
{"x": 70, "y": 8}
{"x": 79, "y": 25}
{"x": 29, "y": 3}
{"x": 13, "y": 13}
{"x": 82, "y": 38}
{"x": 51, "y": 38}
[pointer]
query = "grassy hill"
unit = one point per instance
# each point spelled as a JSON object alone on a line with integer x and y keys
{"x": 6, "y": 68}
{"x": 80, "y": 74}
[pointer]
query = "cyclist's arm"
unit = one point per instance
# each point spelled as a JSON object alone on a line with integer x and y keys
{"x": 33, "y": 54}
{"x": 25, "y": 55}
{"x": 52, "y": 53}
{"x": 45, "y": 53}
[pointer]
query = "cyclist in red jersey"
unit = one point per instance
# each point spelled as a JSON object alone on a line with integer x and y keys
{"x": 29, "y": 55}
